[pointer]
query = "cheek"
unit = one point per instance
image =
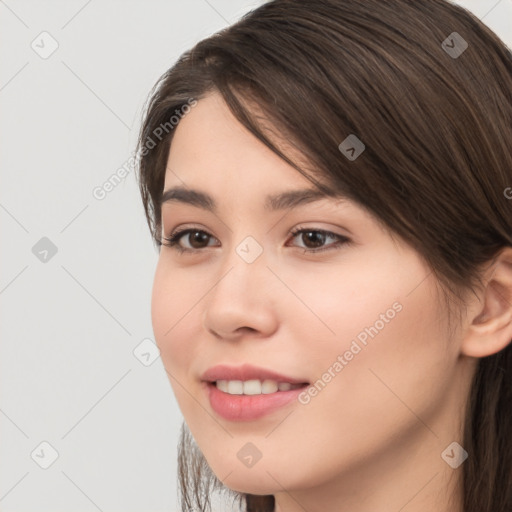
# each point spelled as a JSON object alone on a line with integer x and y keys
{"x": 175, "y": 314}
{"x": 372, "y": 339}
{"x": 393, "y": 371}
{"x": 172, "y": 315}
{"x": 332, "y": 305}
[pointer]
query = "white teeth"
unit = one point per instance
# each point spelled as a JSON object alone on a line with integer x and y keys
{"x": 254, "y": 386}
{"x": 235, "y": 387}
{"x": 269, "y": 386}
{"x": 222, "y": 385}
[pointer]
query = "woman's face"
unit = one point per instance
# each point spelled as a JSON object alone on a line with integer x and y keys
{"x": 359, "y": 321}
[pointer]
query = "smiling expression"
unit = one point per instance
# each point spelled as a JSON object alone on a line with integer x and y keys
{"x": 249, "y": 284}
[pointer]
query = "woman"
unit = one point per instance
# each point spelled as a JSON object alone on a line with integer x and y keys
{"x": 329, "y": 185}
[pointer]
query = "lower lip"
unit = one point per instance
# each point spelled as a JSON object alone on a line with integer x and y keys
{"x": 248, "y": 407}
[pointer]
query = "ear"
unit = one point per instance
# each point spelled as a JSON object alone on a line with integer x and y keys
{"x": 491, "y": 328}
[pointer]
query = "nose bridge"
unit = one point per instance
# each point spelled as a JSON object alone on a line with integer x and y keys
{"x": 245, "y": 267}
{"x": 240, "y": 297}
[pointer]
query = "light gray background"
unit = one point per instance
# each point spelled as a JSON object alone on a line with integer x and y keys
{"x": 70, "y": 324}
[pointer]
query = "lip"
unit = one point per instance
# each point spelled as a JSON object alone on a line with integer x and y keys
{"x": 248, "y": 407}
{"x": 246, "y": 372}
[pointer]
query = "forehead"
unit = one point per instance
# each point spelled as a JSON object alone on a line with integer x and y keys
{"x": 210, "y": 145}
{"x": 214, "y": 159}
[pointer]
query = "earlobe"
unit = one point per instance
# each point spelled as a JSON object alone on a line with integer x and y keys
{"x": 490, "y": 330}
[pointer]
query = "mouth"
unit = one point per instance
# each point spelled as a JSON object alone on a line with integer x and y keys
{"x": 247, "y": 392}
{"x": 254, "y": 376}
{"x": 250, "y": 400}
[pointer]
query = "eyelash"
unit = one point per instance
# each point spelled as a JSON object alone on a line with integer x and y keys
{"x": 173, "y": 240}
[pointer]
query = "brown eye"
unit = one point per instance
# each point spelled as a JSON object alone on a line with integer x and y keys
{"x": 314, "y": 239}
{"x": 196, "y": 239}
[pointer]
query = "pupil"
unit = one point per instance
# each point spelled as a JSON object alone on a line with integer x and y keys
{"x": 313, "y": 235}
{"x": 197, "y": 236}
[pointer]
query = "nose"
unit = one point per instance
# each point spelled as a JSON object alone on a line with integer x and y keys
{"x": 243, "y": 299}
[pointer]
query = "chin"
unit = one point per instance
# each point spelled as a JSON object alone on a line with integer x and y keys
{"x": 248, "y": 486}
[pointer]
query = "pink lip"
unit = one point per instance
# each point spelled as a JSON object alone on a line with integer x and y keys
{"x": 246, "y": 372}
{"x": 248, "y": 407}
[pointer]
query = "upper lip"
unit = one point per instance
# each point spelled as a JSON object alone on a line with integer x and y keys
{"x": 246, "y": 372}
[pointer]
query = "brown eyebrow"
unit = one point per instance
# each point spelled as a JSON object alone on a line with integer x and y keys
{"x": 284, "y": 200}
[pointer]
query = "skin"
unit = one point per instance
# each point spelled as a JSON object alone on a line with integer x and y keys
{"x": 372, "y": 438}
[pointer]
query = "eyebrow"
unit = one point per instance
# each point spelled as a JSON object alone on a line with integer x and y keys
{"x": 284, "y": 200}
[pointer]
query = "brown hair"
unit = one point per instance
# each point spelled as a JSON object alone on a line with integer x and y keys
{"x": 437, "y": 130}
